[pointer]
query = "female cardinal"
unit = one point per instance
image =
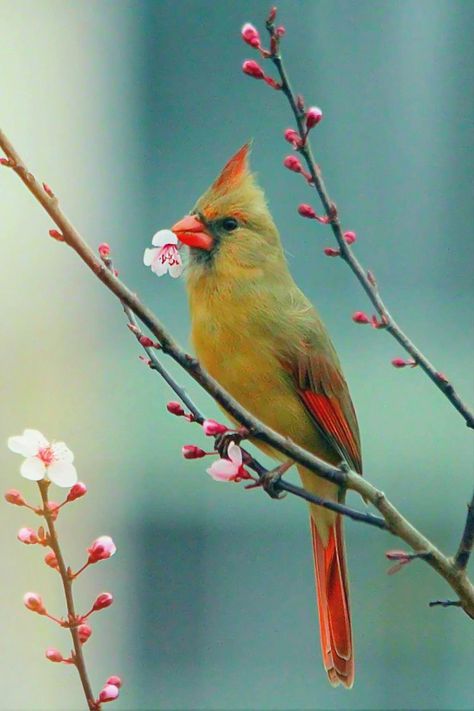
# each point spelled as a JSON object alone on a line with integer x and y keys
{"x": 258, "y": 335}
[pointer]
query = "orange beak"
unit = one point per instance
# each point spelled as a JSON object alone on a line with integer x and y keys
{"x": 193, "y": 233}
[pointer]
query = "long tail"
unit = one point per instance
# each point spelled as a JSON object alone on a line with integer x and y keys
{"x": 333, "y": 605}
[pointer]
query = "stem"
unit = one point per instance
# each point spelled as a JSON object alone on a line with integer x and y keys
{"x": 348, "y": 255}
{"x": 396, "y": 523}
{"x": 71, "y": 612}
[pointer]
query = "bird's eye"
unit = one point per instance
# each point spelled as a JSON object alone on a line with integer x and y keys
{"x": 230, "y": 224}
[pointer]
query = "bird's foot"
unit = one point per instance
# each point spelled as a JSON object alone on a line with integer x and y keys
{"x": 223, "y": 441}
{"x": 271, "y": 479}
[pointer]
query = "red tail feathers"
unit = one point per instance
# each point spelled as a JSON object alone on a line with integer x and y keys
{"x": 333, "y": 605}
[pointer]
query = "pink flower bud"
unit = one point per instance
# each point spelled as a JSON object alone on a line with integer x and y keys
{"x": 84, "y": 632}
{"x": 76, "y": 491}
{"x": 13, "y": 496}
{"x": 102, "y": 601}
{"x": 191, "y": 451}
{"x": 146, "y": 342}
{"x": 253, "y": 69}
{"x": 442, "y": 377}
{"x": 293, "y": 137}
{"x": 250, "y": 35}
{"x": 54, "y": 655}
{"x": 51, "y": 560}
{"x": 212, "y": 428}
{"x": 360, "y": 317}
{"x": 398, "y": 555}
{"x": 401, "y": 363}
{"x": 306, "y": 211}
{"x": 350, "y": 237}
{"x": 4, "y": 161}
{"x": 272, "y": 15}
{"x": 104, "y": 250}
{"x": 331, "y": 252}
{"x": 115, "y": 681}
{"x": 175, "y": 408}
{"x": 101, "y": 549}
{"x": 313, "y": 117}
{"x": 292, "y": 163}
{"x": 280, "y": 31}
{"x": 48, "y": 190}
{"x": 34, "y": 603}
{"x": 108, "y": 693}
{"x": 27, "y": 535}
{"x": 55, "y": 234}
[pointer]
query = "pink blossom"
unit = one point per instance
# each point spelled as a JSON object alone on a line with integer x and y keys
{"x": 13, "y": 496}
{"x": 293, "y": 137}
{"x": 102, "y": 601}
{"x": 313, "y": 117}
{"x": 252, "y": 69}
{"x": 101, "y": 549}
{"x": 84, "y": 631}
{"x": 250, "y": 35}
{"x": 51, "y": 560}
{"x": 229, "y": 469}
{"x": 27, "y": 535}
{"x": 191, "y": 451}
{"x": 212, "y": 428}
{"x": 165, "y": 258}
{"x": 77, "y": 491}
{"x": 54, "y": 655}
{"x": 108, "y": 693}
{"x": 292, "y": 163}
{"x": 43, "y": 458}
{"x": 175, "y": 408}
{"x": 350, "y": 237}
{"x": 104, "y": 250}
{"x": 360, "y": 317}
{"x": 306, "y": 211}
{"x": 34, "y": 602}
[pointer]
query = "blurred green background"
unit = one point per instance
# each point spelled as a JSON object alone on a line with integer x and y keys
{"x": 129, "y": 110}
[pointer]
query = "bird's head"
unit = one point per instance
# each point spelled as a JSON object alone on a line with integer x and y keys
{"x": 230, "y": 229}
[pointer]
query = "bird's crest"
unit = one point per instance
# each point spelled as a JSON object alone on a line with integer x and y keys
{"x": 234, "y": 170}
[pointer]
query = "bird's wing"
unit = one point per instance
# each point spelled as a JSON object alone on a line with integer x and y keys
{"x": 324, "y": 392}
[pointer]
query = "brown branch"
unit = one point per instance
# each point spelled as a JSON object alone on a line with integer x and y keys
{"x": 72, "y": 618}
{"x": 363, "y": 276}
{"x": 396, "y": 523}
{"x": 463, "y": 554}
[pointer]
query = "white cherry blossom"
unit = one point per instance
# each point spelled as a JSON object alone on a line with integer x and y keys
{"x": 164, "y": 258}
{"x": 53, "y": 460}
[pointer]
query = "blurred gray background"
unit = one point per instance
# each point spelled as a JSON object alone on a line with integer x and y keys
{"x": 129, "y": 110}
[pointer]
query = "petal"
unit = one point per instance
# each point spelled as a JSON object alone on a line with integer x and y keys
{"x": 235, "y": 454}
{"x": 28, "y": 443}
{"x": 163, "y": 237}
{"x": 159, "y": 267}
{"x": 62, "y": 452}
{"x": 62, "y": 473}
{"x": 175, "y": 270}
{"x": 222, "y": 470}
{"x": 33, "y": 469}
{"x": 148, "y": 256}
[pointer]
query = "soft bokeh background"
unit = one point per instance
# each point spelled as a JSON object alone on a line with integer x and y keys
{"x": 129, "y": 109}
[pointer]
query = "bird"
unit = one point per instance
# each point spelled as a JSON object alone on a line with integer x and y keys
{"x": 260, "y": 337}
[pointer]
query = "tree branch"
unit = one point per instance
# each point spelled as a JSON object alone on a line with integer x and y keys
{"x": 364, "y": 277}
{"x": 395, "y": 522}
{"x": 72, "y": 617}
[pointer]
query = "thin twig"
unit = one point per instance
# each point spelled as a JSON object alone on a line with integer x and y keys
{"x": 396, "y": 523}
{"x": 365, "y": 279}
{"x": 72, "y": 618}
{"x": 444, "y": 603}
{"x": 461, "y": 558}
